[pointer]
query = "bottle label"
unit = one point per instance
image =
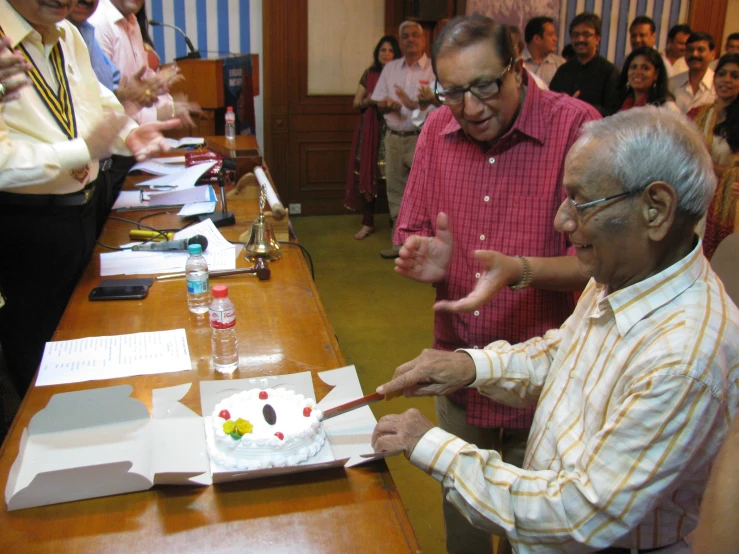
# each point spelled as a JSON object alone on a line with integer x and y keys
{"x": 222, "y": 319}
{"x": 198, "y": 286}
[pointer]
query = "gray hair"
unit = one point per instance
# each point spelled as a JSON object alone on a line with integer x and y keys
{"x": 408, "y": 23}
{"x": 639, "y": 146}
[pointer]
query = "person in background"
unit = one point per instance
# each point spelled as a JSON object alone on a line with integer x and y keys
{"x": 540, "y": 53}
{"x": 488, "y": 175}
{"x": 410, "y": 76}
{"x": 153, "y": 57}
{"x": 51, "y": 140}
{"x": 518, "y": 46}
{"x": 674, "y": 55}
{"x": 643, "y": 32}
{"x": 119, "y": 35}
{"x": 634, "y": 393}
{"x": 731, "y": 46}
{"x": 694, "y": 87}
{"x": 367, "y": 155}
{"x": 719, "y": 123}
{"x": 589, "y": 77}
{"x": 568, "y": 52}
{"x": 128, "y": 90}
{"x": 644, "y": 80}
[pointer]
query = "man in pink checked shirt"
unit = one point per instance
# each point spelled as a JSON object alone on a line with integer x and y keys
{"x": 487, "y": 175}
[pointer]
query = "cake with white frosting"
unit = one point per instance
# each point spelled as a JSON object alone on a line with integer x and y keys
{"x": 262, "y": 428}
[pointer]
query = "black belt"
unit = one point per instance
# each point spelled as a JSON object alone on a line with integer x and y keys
{"x": 620, "y": 550}
{"x": 73, "y": 199}
{"x": 404, "y": 133}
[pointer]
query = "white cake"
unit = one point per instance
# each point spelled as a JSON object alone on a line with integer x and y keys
{"x": 294, "y": 434}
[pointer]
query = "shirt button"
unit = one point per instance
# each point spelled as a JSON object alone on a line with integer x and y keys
{"x": 478, "y": 275}
{"x": 476, "y": 312}
{"x": 487, "y": 199}
{"x": 475, "y": 347}
{"x": 482, "y": 237}
{"x": 491, "y": 160}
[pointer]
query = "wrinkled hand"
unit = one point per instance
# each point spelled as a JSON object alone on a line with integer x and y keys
{"x": 389, "y": 105}
{"x": 500, "y": 271}
{"x": 180, "y": 109}
{"x": 101, "y": 137}
{"x": 167, "y": 76}
{"x": 426, "y": 259}
{"x": 433, "y": 373}
{"x": 146, "y": 141}
{"x": 405, "y": 99}
{"x": 400, "y": 432}
{"x": 13, "y": 68}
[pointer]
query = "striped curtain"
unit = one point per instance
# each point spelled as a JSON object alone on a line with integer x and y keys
{"x": 617, "y": 15}
{"x": 215, "y": 27}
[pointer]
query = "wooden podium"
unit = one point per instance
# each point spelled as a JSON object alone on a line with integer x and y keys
{"x": 203, "y": 83}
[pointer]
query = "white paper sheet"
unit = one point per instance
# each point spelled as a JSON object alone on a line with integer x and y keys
{"x": 197, "y": 208}
{"x": 220, "y": 254}
{"x": 156, "y": 168}
{"x": 185, "y": 141}
{"x": 180, "y": 178}
{"x": 95, "y": 358}
{"x": 170, "y": 160}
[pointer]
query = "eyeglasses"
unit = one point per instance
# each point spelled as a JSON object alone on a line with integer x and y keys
{"x": 482, "y": 91}
{"x": 581, "y": 207}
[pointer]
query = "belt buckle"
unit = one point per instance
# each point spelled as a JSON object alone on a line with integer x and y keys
{"x": 87, "y": 194}
{"x": 106, "y": 164}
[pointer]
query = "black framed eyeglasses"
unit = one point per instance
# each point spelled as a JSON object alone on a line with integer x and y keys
{"x": 581, "y": 207}
{"x": 482, "y": 91}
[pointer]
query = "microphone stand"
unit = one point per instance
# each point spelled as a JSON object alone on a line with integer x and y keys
{"x": 223, "y": 218}
{"x": 193, "y": 54}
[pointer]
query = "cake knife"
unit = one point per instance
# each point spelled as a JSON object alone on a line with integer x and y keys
{"x": 353, "y": 405}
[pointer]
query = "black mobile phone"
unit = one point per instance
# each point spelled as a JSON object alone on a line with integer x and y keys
{"x": 118, "y": 292}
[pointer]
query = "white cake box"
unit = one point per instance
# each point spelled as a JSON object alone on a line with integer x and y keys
{"x": 101, "y": 442}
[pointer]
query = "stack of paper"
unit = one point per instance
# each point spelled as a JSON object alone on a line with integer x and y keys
{"x": 220, "y": 254}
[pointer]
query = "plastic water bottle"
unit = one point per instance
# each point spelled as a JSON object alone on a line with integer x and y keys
{"x": 230, "y": 123}
{"x": 198, "y": 287}
{"x": 224, "y": 343}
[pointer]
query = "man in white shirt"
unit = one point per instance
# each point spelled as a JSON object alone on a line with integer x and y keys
{"x": 694, "y": 87}
{"x": 539, "y": 55}
{"x": 731, "y": 47}
{"x": 674, "y": 54}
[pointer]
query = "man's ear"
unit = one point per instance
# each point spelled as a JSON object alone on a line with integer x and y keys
{"x": 658, "y": 210}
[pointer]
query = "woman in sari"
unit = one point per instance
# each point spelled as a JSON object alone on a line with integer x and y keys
{"x": 644, "y": 81}
{"x": 367, "y": 158}
{"x": 719, "y": 122}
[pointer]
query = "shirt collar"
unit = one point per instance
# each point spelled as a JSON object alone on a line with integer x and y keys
{"x": 421, "y": 62}
{"x": 525, "y": 122}
{"x": 633, "y": 303}
{"x": 110, "y": 11}
{"x": 18, "y": 29}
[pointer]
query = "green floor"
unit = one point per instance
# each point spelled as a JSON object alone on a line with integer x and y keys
{"x": 381, "y": 320}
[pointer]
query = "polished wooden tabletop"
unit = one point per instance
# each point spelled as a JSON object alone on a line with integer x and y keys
{"x": 282, "y": 328}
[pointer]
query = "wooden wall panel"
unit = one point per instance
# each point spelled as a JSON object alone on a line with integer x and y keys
{"x": 709, "y": 16}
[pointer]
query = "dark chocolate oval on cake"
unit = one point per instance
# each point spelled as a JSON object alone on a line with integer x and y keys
{"x": 269, "y": 414}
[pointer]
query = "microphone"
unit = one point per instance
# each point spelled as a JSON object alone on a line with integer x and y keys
{"x": 193, "y": 53}
{"x": 173, "y": 245}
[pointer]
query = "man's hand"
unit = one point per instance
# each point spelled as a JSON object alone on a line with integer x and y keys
{"x": 426, "y": 259}
{"x": 433, "y": 373}
{"x": 13, "y": 68}
{"x": 426, "y": 96}
{"x": 400, "y": 432}
{"x": 389, "y": 105}
{"x": 405, "y": 99}
{"x": 501, "y": 271}
{"x": 140, "y": 91}
{"x": 180, "y": 109}
{"x": 146, "y": 141}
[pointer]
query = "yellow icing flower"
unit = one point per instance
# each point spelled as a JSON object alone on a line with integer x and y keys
{"x": 243, "y": 426}
{"x": 228, "y": 427}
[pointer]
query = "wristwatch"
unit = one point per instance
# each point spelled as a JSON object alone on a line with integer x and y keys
{"x": 525, "y": 281}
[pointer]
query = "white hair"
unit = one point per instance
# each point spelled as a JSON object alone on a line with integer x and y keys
{"x": 408, "y": 23}
{"x": 639, "y": 146}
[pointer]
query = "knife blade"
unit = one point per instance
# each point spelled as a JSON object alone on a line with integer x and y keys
{"x": 353, "y": 405}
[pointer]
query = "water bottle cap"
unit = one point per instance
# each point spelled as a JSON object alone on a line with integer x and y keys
{"x": 195, "y": 249}
{"x": 229, "y": 109}
{"x": 220, "y": 291}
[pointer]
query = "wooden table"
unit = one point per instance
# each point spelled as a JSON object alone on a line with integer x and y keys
{"x": 282, "y": 328}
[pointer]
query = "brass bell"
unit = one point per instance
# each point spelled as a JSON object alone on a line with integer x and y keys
{"x": 262, "y": 242}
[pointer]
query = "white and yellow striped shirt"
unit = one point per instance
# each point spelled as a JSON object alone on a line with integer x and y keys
{"x": 635, "y": 393}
